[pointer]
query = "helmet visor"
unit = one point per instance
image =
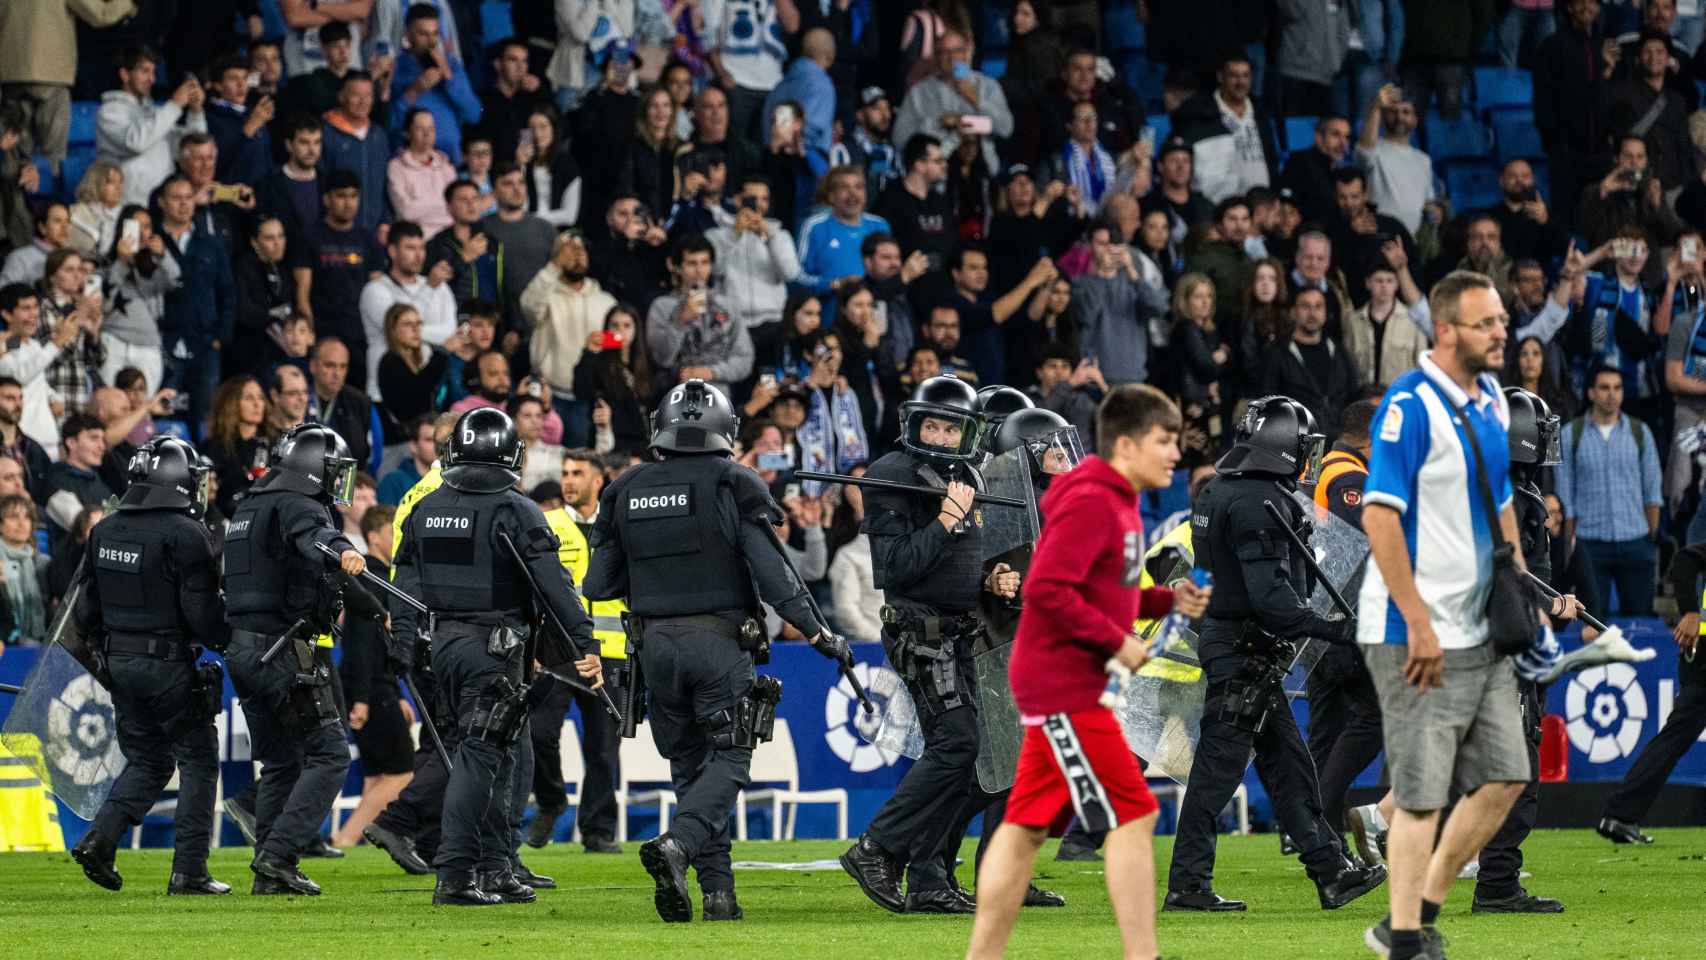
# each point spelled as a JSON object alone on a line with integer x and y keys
{"x": 1057, "y": 452}
{"x": 1551, "y": 440}
{"x": 340, "y": 480}
{"x": 1311, "y": 447}
{"x": 201, "y": 486}
{"x": 943, "y": 434}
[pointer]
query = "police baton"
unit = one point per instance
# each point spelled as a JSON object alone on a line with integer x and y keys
{"x": 556, "y": 621}
{"x": 12, "y": 689}
{"x": 279, "y": 644}
{"x": 873, "y": 483}
{"x": 1546, "y": 588}
{"x": 845, "y": 666}
{"x": 407, "y": 677}
{"x": 1309, "y": 559}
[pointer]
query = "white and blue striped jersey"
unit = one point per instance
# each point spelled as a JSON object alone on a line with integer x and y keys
{"x": 1422, "y": 466}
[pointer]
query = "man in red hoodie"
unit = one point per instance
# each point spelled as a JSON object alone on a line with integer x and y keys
{"x": 1081, "y": 601}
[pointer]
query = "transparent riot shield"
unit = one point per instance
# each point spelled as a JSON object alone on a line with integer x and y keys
{"x": 1004, "y": 528}
{"x": 894, "y": 726}
{"x": 1000, "y": 732}
{"x": 62, "y": 725}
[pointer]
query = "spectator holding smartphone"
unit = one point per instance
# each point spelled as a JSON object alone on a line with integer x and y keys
{"x": 614, "y": 372}
{"x": 565, "y": 308}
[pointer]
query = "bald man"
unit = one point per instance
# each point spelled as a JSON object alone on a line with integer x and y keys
{"x": 808, "y": 87}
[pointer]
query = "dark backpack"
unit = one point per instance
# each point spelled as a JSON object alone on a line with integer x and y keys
{"x": 1636, "y": 426}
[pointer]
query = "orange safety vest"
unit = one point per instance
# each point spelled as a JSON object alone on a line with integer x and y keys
{"x": 1332, "y": 467}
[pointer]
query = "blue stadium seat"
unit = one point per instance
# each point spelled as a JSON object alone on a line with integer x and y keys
{"x": 990, "y": 25}
{"x": 1299, "y": 133}
{"x": 1472, "y": 183}
{"x": 1455, "y": 139}
{"x": 49, "y": 186}
{"x": 1514, "y": 134}
{"x": 1499, "y": 87}
{"x": 77, "y": 162}
{"x": 83, "y": 121}
{"x": 495, "y": 22}
{"x": 1121, "y": 30}
{"x": 994, "y": 65}
{"x": 1144, "y": 78}
{"x": 1163, "y": 125}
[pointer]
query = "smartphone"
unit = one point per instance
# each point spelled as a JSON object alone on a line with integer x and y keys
{"x": 462, "y": 330}
{"x": 253, "y": 80}
{"x": 978, "y": 124}
{"x": 229, "y": 192}
{"x": 776, "y": 461}
{"x": 783, "y": 124}
{"x": 767, "y": 381}
{"x": 792, "y": 490}
{"x": 1622, "y": 247}
{"x": 132, "y": 232}
{"x": 1147, "y": 138}
{"x": 749, "y": 203}
{"x": 610, "y": 341}
{"x": 1690, "y": 249}
{"x": 526, "y": 138}
{"x": 92, "y": 286}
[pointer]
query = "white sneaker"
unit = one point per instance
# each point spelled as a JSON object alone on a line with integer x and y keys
{"x": 1470, "y": 870}
{"x": 1609, "y": 647}
{"x": 1369, "y": 828}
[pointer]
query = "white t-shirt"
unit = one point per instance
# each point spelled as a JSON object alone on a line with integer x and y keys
{"x": 1400, "y": 180}
{"x": 748, "y": 39}
{"x": 302, "y": 53}
{"x": 1231, "y": 165}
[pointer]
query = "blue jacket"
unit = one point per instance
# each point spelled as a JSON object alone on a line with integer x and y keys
{"x": 368, "y": 157}
{"x": 203, "y": 308}
{"x": 452, "y": 103}
{"x": 242, "y": 159}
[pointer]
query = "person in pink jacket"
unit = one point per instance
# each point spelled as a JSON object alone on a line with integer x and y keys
{"x": 417, "y": 175}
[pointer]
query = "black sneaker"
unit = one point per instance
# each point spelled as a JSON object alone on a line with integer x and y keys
{"x": 1621, "y": 831}
{"x": 268, "y": 887}
{"x": 1035, "y": 896}
{"x": 321, "y": 849}
{"x": 1520, "y": 902}
{"x": 721, "y": 905}
{"x": 544, "y": 825}
{"x": 98, "y": 858}
{"x": 1200, "y": 901}
{"x": 1379, "y": 939}
{"x": 940, "y": 900}
{"x": 401, "y": 849}
{"x": 876, "y": 872}
{"x": 1073, "y": 853}
{"x": 1348, "y": 884}
{"x": 664, "y": 859}
{"x": 282, "y": 871}
{"x": 463, "y": 892}
{"x": 182, "y": 885}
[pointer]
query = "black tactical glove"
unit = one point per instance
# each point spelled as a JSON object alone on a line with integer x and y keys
{"x": 360, "y": 603}
{"x": 1343, "y": 631}
{"x": 400, "y": 654}
{"x": 834, "y": 646}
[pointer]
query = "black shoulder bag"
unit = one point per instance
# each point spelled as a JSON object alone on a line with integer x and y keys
{"x": 1512, "y": 620}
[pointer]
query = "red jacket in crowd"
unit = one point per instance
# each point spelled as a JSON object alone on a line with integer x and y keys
{"x": 1081, "y": 594}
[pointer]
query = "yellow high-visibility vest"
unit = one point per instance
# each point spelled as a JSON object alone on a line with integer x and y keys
{"x": 425, "y": 485}
{"x": 576, "y": 556}
{"x": 1179, "y": 536}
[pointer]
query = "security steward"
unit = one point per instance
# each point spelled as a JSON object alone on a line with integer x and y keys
{"x": 1535, "y": 433}
{"x": 453, "y": 559}
{"x": 1344, "y": 713}
{"x": 686, "y": 541}
{"x": 928, "y": 558}
{"x": 1257, "y": 613}
{"x": 279, "y": 586}
{"x": 549, "y": 700}
{"x": 154, "y": 597}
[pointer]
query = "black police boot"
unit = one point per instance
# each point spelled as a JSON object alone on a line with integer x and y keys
{"x": 1200, "y": 901}
{"x": 507, "y": 887}
{"x": 1072, "y": 852}
{"x": 96, "y": 855}
{"x": 283, "y": 871}
{"x": 401, "y": 849}
{"x": 525, "y": 874}
{"x": 264, "y": 887}
{"x": 877, "y": 873}
{"x": 721, "y": 905}
{"x": 462, "y": 892}
{"x": 599, "y": 843}
{"x": 1035, "y": 896}
{"x": 1347, "y": 885}
{"x": 321, "y": 849}
{"x": 1622, "y": 831}
{"x": 941, "y": 900}
{"x": 543, "y": 826}
{"x": 182, "y": 884}
{"x": 1519, "y": 902}
{"x": 664, "y": 859}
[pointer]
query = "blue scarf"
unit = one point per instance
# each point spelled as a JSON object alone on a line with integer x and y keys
{"x": 1091, "y": 174}
{"x": 832, "y": 438}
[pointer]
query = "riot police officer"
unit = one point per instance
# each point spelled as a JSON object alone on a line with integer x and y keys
{"x": 928, "y": 558}
{"x": 152, "y": 590}
{"x": 456, "y": 557}
{"x": 995, "y": 403}
{"x": 282, "y": 598}
{"x": 1258, "y": 611}
{"x": 687, "y": 542}
{"x": 1534, "y": 435}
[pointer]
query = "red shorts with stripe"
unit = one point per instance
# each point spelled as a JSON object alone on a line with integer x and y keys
{"x": 1078, "y": 763}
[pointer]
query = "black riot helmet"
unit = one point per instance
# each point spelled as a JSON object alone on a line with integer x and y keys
{"x": 951, "y": 403}
{"x": 1050, "y": 443}
{"x": 484, "y": 454}
{"x": 694, "y": 417}
{"x": 314, "y": 461}
{"x": 1535, "y": 431}
{"x": 997, "y": 403}
{"x": 165, "y": 473}
{"x": 1277, "y": 436}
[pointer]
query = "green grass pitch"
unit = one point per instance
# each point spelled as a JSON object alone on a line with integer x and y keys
{"x": 1621, "y": 902}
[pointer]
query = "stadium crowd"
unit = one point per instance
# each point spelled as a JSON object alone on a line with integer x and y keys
{"x": 370, "y": 212}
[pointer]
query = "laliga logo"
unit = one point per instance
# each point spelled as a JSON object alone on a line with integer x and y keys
{"x": 1605, "y": 707}
{"x": 80, "y": 723}
{"x": 841, "y": 712}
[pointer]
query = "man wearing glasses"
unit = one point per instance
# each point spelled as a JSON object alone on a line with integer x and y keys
{"x": 1449, "y": 701}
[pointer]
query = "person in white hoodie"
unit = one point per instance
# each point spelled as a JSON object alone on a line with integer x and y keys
{"x": 566, "y": 309}
{"x": 140, "y": 136}
{"x": 428, "y": 293}
{"x": 27, "y": 358}
{"x": 756, "y": 258}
